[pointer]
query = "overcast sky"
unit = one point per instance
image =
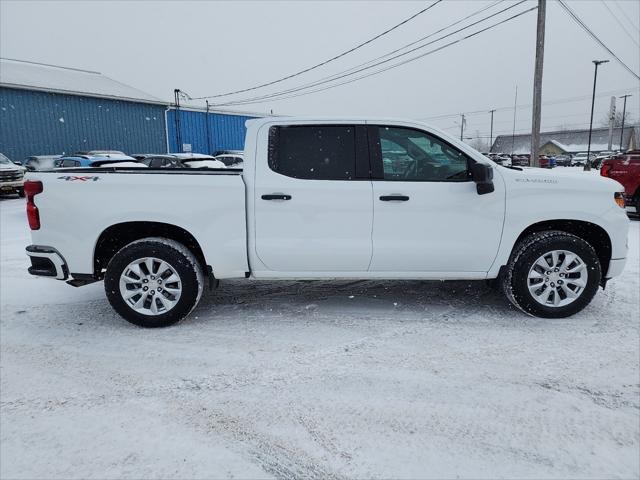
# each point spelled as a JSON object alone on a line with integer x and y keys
{"x": 212, "y": 47}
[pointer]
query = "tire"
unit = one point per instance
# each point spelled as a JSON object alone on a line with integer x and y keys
{"x": 575, "y": 280}
{"x": 154, "y": 260}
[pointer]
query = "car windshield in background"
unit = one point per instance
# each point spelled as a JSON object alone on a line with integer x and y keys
{"x": 4, "y": 160}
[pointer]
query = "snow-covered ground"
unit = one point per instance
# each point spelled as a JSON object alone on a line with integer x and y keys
{"x": 315, "y": 380}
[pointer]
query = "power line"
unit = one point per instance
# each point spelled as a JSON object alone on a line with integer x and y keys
{"x": 308, "y": 69}
{"x": 624, "y": 29}
{"x": 283, "y": 94}
{"x": 528, "y": 105}
{"x": 388, "y": 54}
{"x": 575, "y": 17}
{"x": 351, "y": 71}
{"x": 626, "y": 16}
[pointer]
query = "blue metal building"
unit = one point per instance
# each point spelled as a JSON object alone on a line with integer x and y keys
{"x": 46, "y": 110}
{"x": 52, "y": 110}
{"x": 204, "y": 132}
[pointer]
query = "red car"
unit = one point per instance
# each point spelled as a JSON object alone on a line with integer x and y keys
{"x": 625, "y": 169}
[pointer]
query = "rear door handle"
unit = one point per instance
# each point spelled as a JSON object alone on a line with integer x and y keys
{"x": 276, "y": 196}
{"x": 394, "y": 198}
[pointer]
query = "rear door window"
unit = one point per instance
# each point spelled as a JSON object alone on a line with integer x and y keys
{"x": 313, "y": 152}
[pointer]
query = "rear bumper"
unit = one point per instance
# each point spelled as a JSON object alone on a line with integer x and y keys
{"x": 616, "y": 266}
{"x": 47, "y": 262}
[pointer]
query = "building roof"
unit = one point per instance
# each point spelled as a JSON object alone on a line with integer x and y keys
{"x": 73, "y": 81}
{"x": 571, "y": 141}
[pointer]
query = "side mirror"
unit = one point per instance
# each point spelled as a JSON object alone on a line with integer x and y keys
{"x": 483, "y": 176}
{"x": 17, "y": 162}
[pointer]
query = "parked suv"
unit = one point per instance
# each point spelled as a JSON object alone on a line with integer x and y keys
{"x": 11, "y": 177}
{"x": 625, "y": 169}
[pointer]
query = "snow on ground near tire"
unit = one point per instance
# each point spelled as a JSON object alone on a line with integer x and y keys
{"x": 315, "y": 379}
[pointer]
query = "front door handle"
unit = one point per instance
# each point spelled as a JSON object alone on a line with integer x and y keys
{"x": 394, "y": 198}
{"x": 276, "y": 196}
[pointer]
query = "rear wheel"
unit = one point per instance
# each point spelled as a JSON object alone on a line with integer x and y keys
{"x": 153, "y": 282}
{"x": 552, "y": 274}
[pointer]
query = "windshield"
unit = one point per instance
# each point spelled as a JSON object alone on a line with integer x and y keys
{"x": 4, "y": 160}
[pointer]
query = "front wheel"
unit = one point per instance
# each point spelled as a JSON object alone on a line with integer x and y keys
{"x": 153, "y": 282}
{"x": 552, "y": 274}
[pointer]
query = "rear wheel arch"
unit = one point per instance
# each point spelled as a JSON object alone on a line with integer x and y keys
{"x": 117, "y": 236}
{"x": 593, "y": 234}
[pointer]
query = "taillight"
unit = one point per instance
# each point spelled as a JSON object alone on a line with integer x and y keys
{"x": 606, "y": 168}
{"x": 31, "y": 189}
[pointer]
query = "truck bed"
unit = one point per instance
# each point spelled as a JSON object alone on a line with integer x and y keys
{"x": 78, "y": 205}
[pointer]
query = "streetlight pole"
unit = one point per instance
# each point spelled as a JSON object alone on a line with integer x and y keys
{"x": 624, "y": 112}
{"x": 597, "y": 63}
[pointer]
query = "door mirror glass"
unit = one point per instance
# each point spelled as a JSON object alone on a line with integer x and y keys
{"x": 483, "y": 177}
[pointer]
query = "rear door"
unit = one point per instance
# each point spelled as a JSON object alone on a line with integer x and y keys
{"x": 313, "y": 199}
{"x": 428, "y": 216}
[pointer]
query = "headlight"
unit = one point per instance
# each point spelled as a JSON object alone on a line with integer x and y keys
{"x": 619, "y": 199}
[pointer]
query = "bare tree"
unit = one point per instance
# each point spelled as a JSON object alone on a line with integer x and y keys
{"x": 617, "y": 121}
{"x": 480, "y": 144}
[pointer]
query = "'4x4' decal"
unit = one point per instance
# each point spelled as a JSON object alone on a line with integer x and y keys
{"x": 72, "y": 178}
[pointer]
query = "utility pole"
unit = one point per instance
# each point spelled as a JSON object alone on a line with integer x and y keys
{"x": 612, "y": 117}
{"x": 206, "y": 119}
{"x": 624, "y": 112}
{"x": 597, "y": 63}
{"x": 176, "y": 94}
{"x": 491, "y": 134}
{"x": 537, "y": 85}
{"x": 462, "y": 126}
{"x": 513, "y": 134}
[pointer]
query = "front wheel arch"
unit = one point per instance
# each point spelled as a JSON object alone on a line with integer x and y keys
{"x": 593, "y": 234}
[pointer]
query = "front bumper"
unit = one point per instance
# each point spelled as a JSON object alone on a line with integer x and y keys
{"x": 11, "y": 186}
{"x": 616, "y": 266}
{"x": 47, "y": 262}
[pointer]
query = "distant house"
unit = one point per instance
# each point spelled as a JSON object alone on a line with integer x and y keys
{"x": 570, "y": 141}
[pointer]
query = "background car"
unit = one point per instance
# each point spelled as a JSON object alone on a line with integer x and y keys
{"x": 41, "y": 162}
{"x": 100, "y": 152}
{"x": 179, "y": 160}
{"x": 563, "y": 160}
{"x": 11, "y": 176}
{"x": 521, "y": 160}
{"x": 580, "y": 159}
{"x": 162, "y": 161}
{"x": 501, "y": 159}
{"x": 231, "y": 159}
{"x": 97, "y": 161}
{"x": 625, "y": 168}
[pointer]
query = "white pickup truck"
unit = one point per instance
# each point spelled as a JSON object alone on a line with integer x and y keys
{"x": 329, "y": 199}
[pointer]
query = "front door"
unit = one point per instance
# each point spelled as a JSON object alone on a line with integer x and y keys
{"x": 313, "y": 200}
{"x": 428, "y": 216}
